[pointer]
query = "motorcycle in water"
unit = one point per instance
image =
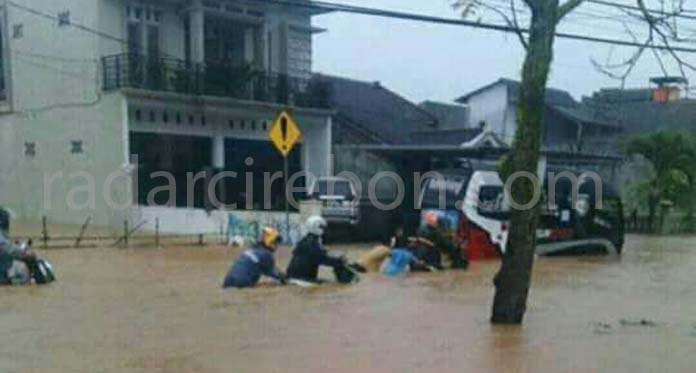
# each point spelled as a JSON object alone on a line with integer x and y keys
{"x": 30, "y": 269}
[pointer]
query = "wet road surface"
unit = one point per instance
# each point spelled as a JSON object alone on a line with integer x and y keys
{"x": 163, "y": 311}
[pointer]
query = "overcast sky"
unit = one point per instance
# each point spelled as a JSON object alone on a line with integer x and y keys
{"x": 436, "y": 62}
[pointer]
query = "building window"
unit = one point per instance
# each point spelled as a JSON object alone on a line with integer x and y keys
{"x": 165, "y": 117}
{"x": 191, "y": 120}
{"x": 30, "y": 149}
{"x": 17, "y": 31}
{"x": 77, "y": 147}
{"x": 178, "y": 118}
{"x": 152, "y": 116}
{"x": 231, "y": 124}
{"x": 253, "y": 125}
{"x": 143, "y": 29}
{"x": 138, "y": 115}
{"x": 203, "y": 121}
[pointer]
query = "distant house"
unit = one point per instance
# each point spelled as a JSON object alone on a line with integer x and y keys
{"x": 569, "y": 126}
{"x": 645, "y": 109}
{"x": 660, "y": 106}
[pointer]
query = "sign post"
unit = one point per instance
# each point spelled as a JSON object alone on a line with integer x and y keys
{"x": 285, "y": 134}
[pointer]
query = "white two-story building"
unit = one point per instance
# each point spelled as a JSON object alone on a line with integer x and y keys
{"x": 96, "y": 95}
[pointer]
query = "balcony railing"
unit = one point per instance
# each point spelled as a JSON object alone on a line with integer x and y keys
{"x": 213, "y": 79}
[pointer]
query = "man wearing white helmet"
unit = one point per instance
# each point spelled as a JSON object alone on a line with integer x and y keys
{"x": 309, "y": 254}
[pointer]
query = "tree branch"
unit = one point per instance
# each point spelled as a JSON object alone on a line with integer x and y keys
{"x": 568, "y": 7}
{"x": 510, "y": 20}
{"x": 516, "y": 24}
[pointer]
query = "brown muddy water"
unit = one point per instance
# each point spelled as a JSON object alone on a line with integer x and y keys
{"x": 163, "y": 311}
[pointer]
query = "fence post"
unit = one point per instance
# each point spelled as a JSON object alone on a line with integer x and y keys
{"x": 44, "y": 231}
{"x": 82, "y": 232}
{"x": 157, "y": 236}
{"x": 125, "y": 232}
{"x": 200, "y": 240}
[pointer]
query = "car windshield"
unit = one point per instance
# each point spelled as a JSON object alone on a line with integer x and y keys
{"x": 339, "y": 188}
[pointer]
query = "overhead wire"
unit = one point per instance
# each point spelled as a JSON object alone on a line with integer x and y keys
{"x": 334, "y": 7}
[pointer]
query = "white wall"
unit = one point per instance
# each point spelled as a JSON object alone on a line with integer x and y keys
{"x": 491, "y": 106}
{"x": 51, "y": 64}
{"x": 317, "y": 148}
{"x": 198, "y": 221}
{"x": 53, "y": 179}
{"x": 510, "y": 126}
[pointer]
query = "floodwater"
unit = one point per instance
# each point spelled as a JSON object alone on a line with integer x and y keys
{"x": 163, "y": 311}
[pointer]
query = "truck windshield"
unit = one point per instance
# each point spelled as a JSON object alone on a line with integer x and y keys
{"x": 449, "y": 190}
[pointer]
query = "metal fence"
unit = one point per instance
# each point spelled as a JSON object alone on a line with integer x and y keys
{"x": 213, "y": 79}
{"x": 130, "y": 237}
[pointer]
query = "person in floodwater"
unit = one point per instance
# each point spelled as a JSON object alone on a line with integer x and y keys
{"x": 400, "y": 259}
{"x": 309, "y": 255}
{"x": 431, "y": 242}
{"x": 373, "y": 260}
{"x": 251, "y": 264}
{"x": 14, "y": 261}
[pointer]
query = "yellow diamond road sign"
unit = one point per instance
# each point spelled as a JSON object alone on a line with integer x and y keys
{"x": 285, "y": 134}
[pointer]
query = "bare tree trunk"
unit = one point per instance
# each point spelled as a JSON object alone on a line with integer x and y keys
{"x": 513, "y": 280}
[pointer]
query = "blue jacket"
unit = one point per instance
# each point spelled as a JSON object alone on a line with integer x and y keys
{"x": 399, "y": 260}
{"x": 249, "y": 266}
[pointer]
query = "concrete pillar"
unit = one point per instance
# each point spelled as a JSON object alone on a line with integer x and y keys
{"x": 283, "y": 48}
{"x": 542, "y": 166}
{"x": 261, "y": 46}
{"x": 197, "y": 32}
{"x": 218, "y": 150}
{"x": 249, "y": 45}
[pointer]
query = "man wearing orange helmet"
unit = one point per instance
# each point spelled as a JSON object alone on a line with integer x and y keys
{"x": 251, "y": 264}
{"x": 431, "y": 242}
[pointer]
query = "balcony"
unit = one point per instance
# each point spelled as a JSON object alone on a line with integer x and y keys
{"x": 211, "y": 79}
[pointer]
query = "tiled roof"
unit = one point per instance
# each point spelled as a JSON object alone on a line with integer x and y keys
{"x": 447, "y": 115}
{"x": 380, "y": 111}
{"x": 636, "y": 112}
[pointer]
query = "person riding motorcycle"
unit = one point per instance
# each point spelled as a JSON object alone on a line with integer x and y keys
{"x": 309, "y": 255}
{"x": 19, "y": 266}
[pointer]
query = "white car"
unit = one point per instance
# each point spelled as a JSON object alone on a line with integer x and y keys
{"x": 340, "y": 203}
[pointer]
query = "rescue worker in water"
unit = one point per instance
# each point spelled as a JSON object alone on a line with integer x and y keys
{"x": 430, "y": 243}
{"x": 252, "y": 263}
{"x": 310, "y": 254}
